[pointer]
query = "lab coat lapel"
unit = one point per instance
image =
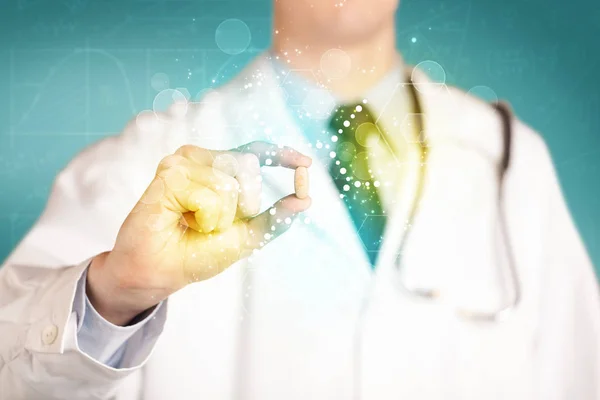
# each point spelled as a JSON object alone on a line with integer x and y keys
{"x": 309, "y": 281}
{"x": 398, "y": 118}
{"x": 327, "y": 215}
{"x": 416, "y": 172}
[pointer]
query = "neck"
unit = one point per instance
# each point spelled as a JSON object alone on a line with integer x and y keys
{"x": 348, "y": 73}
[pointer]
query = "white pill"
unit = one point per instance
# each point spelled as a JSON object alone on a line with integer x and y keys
{"x": 301, "y": 182}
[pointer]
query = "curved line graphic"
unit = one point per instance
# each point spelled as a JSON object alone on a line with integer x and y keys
{"x": 55, "y": 68}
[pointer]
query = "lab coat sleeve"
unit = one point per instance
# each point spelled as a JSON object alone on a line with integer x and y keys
{"x": 115, "y": 346}
{"x": 568, "y": 347}
{"x": 39, "y": 354}
{"x": 40, "y": 357}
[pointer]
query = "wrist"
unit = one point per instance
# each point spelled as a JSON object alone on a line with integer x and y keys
{"x": 114, "y": 303}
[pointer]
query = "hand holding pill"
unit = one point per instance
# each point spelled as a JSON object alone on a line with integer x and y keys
{"x": 197, "y": 217}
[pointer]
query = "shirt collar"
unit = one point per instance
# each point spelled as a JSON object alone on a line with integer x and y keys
{"x": 311, "y": 104}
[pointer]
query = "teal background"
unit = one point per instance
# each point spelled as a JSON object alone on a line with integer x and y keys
{"x": 73, "y": 71}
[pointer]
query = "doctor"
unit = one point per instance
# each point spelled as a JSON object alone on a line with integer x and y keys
{"x": 435, "y": 258}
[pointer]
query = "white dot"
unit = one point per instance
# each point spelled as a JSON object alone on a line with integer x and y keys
{"x": 332, "y": 154}
{"x": 268, "y": 161}
{"x": 340, "y": 130}
{"x": 414, "y": 40}
{"x": 267, "y": 236}
{"x": 334, "y": 138}
{"x": 342, "y": 171}
{"x": 159, "y": 81}
{"x": 358, "y": 108}
{"x": 233, "y": 36}
{"x": 335, "y": 63}
{"x": 346, "y": 188}
{"x": 357, "y": 183}
{"x": 376, "y": 184}
{"x": 319, "y": 145}
{"x": 346, "y": 123}
{"x": 288, "y": 220}
{"x": 172, "y": 100}
{"x": 352, "y": 116}
{"x": 272, "y": 211}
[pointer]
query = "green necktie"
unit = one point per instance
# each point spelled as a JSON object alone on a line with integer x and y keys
{"x": 352, "y": 175}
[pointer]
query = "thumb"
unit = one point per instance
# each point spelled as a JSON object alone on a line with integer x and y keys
{"x": 275, "y": 221}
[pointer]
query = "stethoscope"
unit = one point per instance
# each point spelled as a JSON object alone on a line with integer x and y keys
{"x": 433, "y": 294}
{"x": 499, "y": 314}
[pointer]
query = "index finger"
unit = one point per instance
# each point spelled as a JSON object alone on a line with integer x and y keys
{"x": 276, "y": 155}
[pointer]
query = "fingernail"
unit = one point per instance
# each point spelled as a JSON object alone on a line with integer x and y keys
{"x": 305, "y": 159}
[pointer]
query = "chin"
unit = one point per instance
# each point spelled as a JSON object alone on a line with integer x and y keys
{"x": 332, "y": 25}
{"x": 347, "y": 32}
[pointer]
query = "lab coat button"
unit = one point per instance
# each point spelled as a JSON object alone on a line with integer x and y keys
{"x": 49, "y": 334}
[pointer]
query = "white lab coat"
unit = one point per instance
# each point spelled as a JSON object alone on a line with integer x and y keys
{"x": 306, "y": 318}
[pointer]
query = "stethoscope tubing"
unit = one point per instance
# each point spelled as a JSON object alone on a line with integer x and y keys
{"x": 507, "y": 135}
{"x": 505, "y": 113}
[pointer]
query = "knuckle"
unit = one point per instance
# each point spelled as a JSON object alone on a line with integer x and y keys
{"x": 208, "y": 207}
{"x": 211, "y": 202}
{"x": 195, "y": 154}
{"x": 250, "y": 160}
{"x": 229, "y": 184}
{"x": 186, "y": 149}
{"x": 170, "y": 161}
{"x": 235, "y": 185}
